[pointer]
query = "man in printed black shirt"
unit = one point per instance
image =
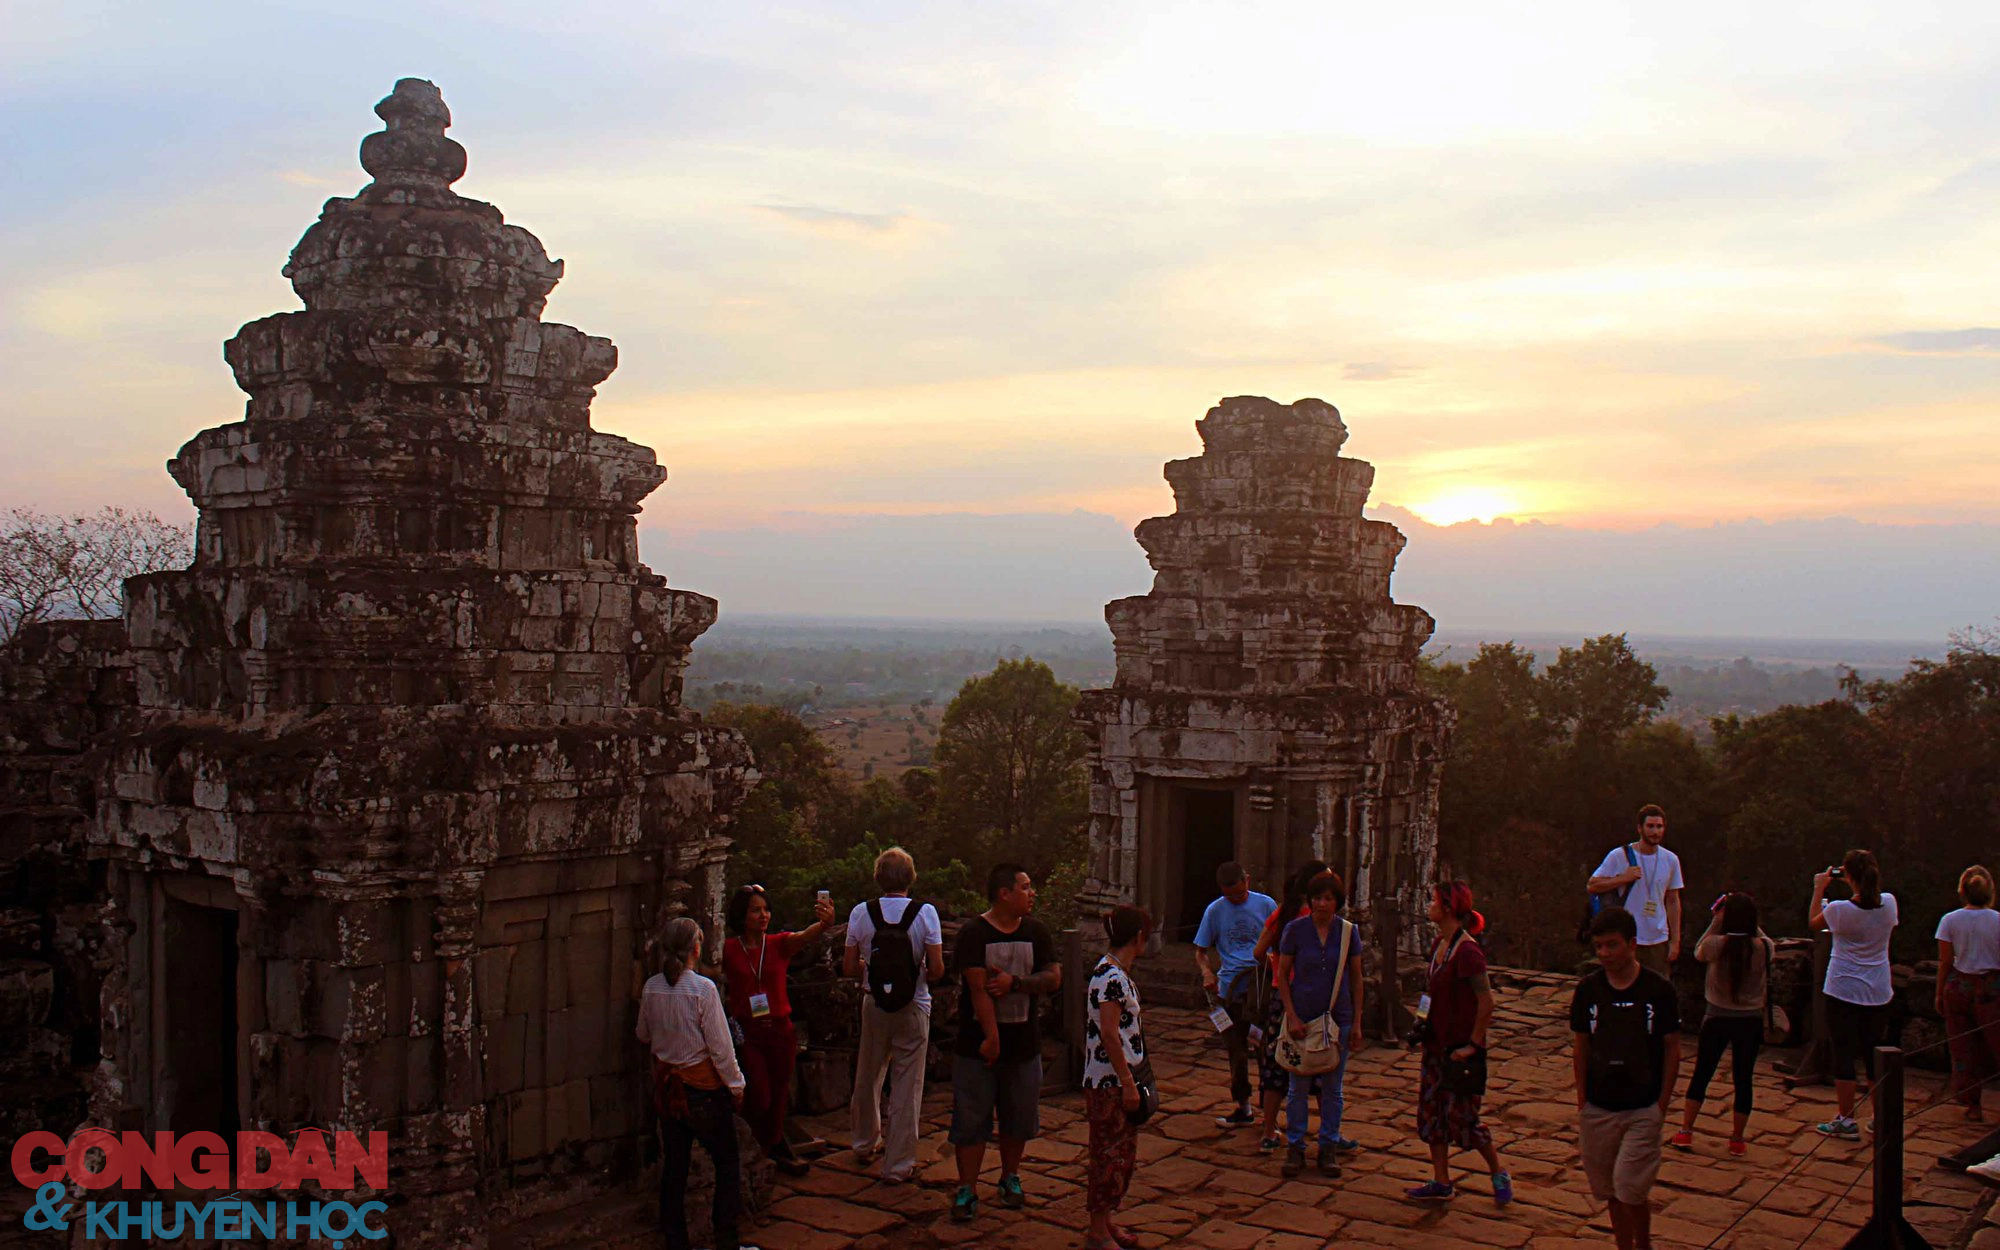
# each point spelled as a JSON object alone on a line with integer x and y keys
{"x": 1008, "y": 961}
{"x": 1626, "y": 1023}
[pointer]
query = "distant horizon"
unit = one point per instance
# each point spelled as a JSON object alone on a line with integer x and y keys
{"x": 1026, "y": 623}
{"x": 1845, "y": 581}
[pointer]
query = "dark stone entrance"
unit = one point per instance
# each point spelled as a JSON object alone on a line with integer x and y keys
{"x": 1206, "y": 823}
{"x": 200, "y": 1006}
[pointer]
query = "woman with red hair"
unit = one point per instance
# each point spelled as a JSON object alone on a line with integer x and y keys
{"x": 1457, "y": 1010}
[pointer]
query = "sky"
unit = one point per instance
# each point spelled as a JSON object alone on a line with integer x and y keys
{"x": 888, "y": 269}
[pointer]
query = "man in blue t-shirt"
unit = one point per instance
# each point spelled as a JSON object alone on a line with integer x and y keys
{"x": 1229, "y": 931}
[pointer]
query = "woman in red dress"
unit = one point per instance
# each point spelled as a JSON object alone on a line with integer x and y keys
{"x": 1458, "y": 1000}
{"x": 755, "y": 961}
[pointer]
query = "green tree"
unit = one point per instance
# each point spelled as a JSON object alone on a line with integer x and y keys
{"x": 1793, "y": 785}
{"x": 1599, "y": 689}
{"x": 1009, "y": 763}
{"x": 1934, "y": 779}
{"x": 1498, "y": 753}
{"x": 1543, "y": 775}
{"x": 1592, "y": 697}
{"x": 784, "y": 819}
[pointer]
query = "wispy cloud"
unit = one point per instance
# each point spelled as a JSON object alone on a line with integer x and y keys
{"x": 835, "y": 223}
{"x": 1980, "y": 340}
{"x": 1374, "y": 371}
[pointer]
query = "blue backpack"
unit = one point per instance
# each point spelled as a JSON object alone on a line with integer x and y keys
{"x": 1598, "y": 902}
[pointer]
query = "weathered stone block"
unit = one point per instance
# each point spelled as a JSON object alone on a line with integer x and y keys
{"x": 527, "y": 980}
{"x": 526, "y": 1132}
{"x": 27, "y": 990}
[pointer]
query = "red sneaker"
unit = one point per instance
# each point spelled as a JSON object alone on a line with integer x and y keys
{"x": 1736, "y": 1146}
{"x": 1683, "y": 1140}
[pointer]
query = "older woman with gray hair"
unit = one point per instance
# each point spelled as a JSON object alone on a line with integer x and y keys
{"x": 697, "y": 1084}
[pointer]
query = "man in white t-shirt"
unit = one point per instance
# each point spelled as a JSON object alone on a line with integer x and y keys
{"x": 896, "y": 1041}
{"x": 1644, "y": 878}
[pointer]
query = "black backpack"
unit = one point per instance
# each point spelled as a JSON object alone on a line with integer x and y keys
{"x": 892, "y": 966}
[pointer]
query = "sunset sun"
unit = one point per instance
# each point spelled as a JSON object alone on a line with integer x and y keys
{"x": 1466, "y": 503}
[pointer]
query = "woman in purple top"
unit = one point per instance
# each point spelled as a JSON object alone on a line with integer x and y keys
{"x": 1309, "y": 972}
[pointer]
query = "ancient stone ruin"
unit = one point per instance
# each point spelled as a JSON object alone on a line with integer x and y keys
{"x": 405, "y": 781}
{"x": 1266, "y": 706}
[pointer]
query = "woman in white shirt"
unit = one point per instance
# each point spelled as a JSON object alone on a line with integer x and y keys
{"x": 1968, "y": 993}
{"x": 697, "y": 1084}
{"x": 1858, "y": 986}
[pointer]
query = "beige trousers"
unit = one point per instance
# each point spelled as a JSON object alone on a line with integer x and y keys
{"x": 899, "y": 1044}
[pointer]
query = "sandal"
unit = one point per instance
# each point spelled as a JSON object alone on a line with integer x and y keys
{"x": 1272, "y": 1142}
{"x": 1125, "y": 1237}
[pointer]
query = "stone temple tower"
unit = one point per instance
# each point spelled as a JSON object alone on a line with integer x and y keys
{"x": 1266, "y": 706}
{"x": 408, "y": 781}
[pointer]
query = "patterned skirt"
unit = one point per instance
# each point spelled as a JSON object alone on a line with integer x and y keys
{"x": 1114, "y": 1150}
{"x": 1446, "y": 1117}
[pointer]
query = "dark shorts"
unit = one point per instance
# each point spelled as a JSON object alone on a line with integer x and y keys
{"x": 1013, "y": 1090}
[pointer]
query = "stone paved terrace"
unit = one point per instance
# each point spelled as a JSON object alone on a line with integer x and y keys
{"x": 1198, "y": 1186}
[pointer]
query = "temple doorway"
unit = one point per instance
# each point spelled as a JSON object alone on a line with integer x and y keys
{"x": 1205, "y": 821}
{"x": 199, "y": 992}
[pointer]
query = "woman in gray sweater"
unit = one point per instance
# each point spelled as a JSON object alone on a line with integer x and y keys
{"x": 1738, "y": 955}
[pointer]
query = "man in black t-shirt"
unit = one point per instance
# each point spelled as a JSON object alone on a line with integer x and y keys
{"x": 1007, "y": 959}
{"x": 1626, "y": 1022}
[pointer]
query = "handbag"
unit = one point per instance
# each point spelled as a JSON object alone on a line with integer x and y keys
{"x": 1319, "y": 1051}
{"x": 1465, "y": 1078}
{"x": 1149, "y": 1093}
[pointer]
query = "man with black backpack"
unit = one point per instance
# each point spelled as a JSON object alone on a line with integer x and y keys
{"x": 895, "y": 946}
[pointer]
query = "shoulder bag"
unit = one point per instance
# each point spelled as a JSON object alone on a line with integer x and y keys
{"x": 1319, "y": 1051}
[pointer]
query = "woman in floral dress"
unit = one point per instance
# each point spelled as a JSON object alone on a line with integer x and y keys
{"x": 1114, "y": 1064}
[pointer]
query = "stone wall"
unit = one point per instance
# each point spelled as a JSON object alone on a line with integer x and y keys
{"x": 61, "y": 683}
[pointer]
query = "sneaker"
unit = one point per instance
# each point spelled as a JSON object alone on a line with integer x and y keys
{"x": 1329, "y": 1163}
{"x": 964, "y": 1205}
{"x": 1737, "y": 1148}
{"x": 1242, "y": 1117}
{"x": 1346, "y": 1145}
{"x": 1682, "y": 1140}
{"x": 1010, "y": 1193}
{"x": 1271, "y": 1142}
{"x": 1841, "y": 1127}
{"x": 1503, "y": 1189}
{"x": 1295, "y": 1162}
{"x": 1430, "y": 1191}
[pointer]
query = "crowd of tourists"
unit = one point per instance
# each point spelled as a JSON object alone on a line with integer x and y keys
{"x": 1287, "y": 994}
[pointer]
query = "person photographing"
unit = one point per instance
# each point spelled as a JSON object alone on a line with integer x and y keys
{"x": 1858, "y": 984}
{"x": 1738, "y": 956}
